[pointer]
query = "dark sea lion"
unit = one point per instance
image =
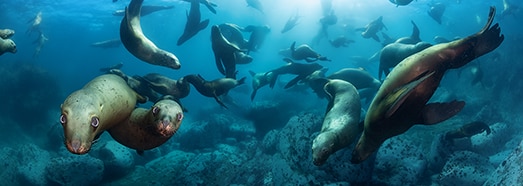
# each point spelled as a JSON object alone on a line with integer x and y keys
{"x": 401, "y": 2}
{"x": 256, "y": 4}
{"x": 436, "y": 11}
{"x": 224, "y": 53}
{"x": 6, "y": 33}
{"x": 146, "y": 10}
{"x": 140, "y": 46}
{"x": 387, "y": 39}
{"x": 193, "y": 24}
{"x": 371, "y": 29}
{"x": 7, "y": 45}
{"x": 291, "y": 23}
{"x": 508, "y": 9}
{"x": 164, "y": 85}
{"x": 146, "y": 129}
{"x": 138, "y": 84}
{"x": 341, "y": 123}
{"x": 341, "y": 41}
{"x": 468, "y": 130}
{"x": 258, "y": 35}
{"x": 233, "y": 34}
{"x": 112, "y": 43}
{"x": 260, "y": 80}
{"x": 413, "y": 38}
{"x": 242, "y": 58}
{"x": 394, "y": 53}
{"x": 208, "y": 4}
{"x": 299, "y": 69}
{"x": 101, "y": 104}
{"x": 305, "y": 52}
{"x": 402, "y": 99}
{"x": 214, "y": 88}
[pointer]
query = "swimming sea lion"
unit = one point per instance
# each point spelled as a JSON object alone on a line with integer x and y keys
{"x": 224, "y": 53}
{"x": 256, "y": 4}
{"x": 258, "y": 35}
{"x": 149, "y": 128}
{"x": 6, "y": 33}
{"x": 7, "y": 45}
{"x": 233, "y": 34}
{"x": 291, "y": 23}
{"x": 328, "y": 19}
{"x": 400, "y": 2}
{"x": 140, "y": 46}
{"x": 299, "y": 69}
{"x": 305, "y": 52}
{"x": 214, "y": 88}
{"x": 146, "y": 10}
{"x": 402, "y": 99}
{"x": 164, "y": 85}
{"x": 101, "y": 104}
{"x": 138, "y": 84}
{"x": 40, "y": 41}
{"x": 341, "y": 123}
{"x": 112, "y": 43}
{"x": 436, "y": 11}
{"x": 508, "y": 9}
{"x": 242, "y": 58}
{"x": 394, "y": 53}
{"x": 413, "y": 38}
{"x": 260, "y": 80}
{"x": 341, "y": 41}
{"x": 468, "y": 130}
{"x": 35, "y": 23}
{"x": 193, "y": 24}
{"x": 208, "y": 4}
{"x": 370, "y": 30}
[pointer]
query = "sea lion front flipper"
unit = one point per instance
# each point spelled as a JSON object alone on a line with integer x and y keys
{"x": 219, "y": 64}
{"x": 203, "y": 24}
{"x": 219, "y": 101}
{"x": 293, "y": 81}
{"x": 398, "y": 96}
{"x": 434, "y": 113}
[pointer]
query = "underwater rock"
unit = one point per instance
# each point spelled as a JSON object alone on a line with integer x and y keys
{"x": 118, "y": 160}
{"x": 32, "y": 163}
{"x": 75, "y": 170}
{"x": 268, "y": 144}
{"x": 465, "y": 168}
{"x": 509, "y": 171}
{"x": 268, "y": 115}
{"x": 9, "y": 170}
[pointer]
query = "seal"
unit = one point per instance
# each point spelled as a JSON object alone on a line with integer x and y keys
{"x": 305, "y": 52}
{"x": 364, "y": 82}
{"x": 402, "y": 99}
{"x": 394, "y": 53}
{"x": 242, "y": 58}
{"x": 40, "y": 41}
{"x": 6, "y": 33}
{"x": 111, "y": 43}
{"x": 214, "y": 88}
{"x": 7, "y": 45}
{"x": 140, "y": 46}
{"x": 400, "y": 2}
{"x": 208, "y": 4}
{"x": 256, "y": 4}
{"x": 146, "y": 129}
{"x": 193, "y": 24}
{"x": 260, "y": 80}
{"x": 115, "y": 66}
{"x": 176, "y": 88}
{"x": 341, "y": 123}
{"x": 224, "y": 53}
{"x": 370, "y": 30}
{"x": 100, "y": 105}
{"x": 299, "y": 69}
{"x": 138, "y": 84}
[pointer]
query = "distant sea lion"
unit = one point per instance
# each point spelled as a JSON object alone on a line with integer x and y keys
{"x": 224, "y": 53}
{"x": 208, "y": 4}
{"x": 436, "y": 11}
{"x": 164, "y": 85}
{"x": 193, "y": 24}
{"x": 258, "y": 35}
{"x": 305, "y": 52}
{"x": 328, "y": 19}
{"x": 299, "y": 69}
{"x": 140, "y": 46}
{"x": 509, "y": 9}
{"x": 394, "y": 53}
{"x": 214, "y": 88}
{"x": 468, "y": 130}
{"x": 401, "y": 2}
{"x": 35, "y": 23}
{"x": 341, "y": 41}
{"x": 232, "y": 33}
{"x": 7, "y": 45}
{"x": 138, "y": 84}
{"x": 112, "y": 43}
{"x": 256, "y": 4}
{"x": 260, "y": 80}
{"x": 6, "y": 33}
{"x": 291, "y": 23}
{"x": 371, "y": 29}
{"x": 402, "y": 99}
{"x": 146, "y": 129}
{"x": 101, "y": 104}
{"x": 40, "y": 41}
{"x": 146, "y": 10}
{"x": 413, "y": 38}
{"x": 341, "y": 123}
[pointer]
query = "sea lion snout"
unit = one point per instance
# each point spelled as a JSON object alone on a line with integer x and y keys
{"x": 75, "y": 146}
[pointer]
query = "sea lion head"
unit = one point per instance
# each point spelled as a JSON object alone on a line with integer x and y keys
{"x": 6, "y": 33}
{"x": 169, "y": 60}
{"x": 167, "y": 115}
{"x": 80, "y": 121}
{"x": 323, "y": 147}
{"x": 8, "y": 45}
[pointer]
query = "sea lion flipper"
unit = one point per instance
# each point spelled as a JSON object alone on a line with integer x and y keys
{"x": 219, "y": 101}
{"x": 219, "y": 64}
{"x": 203, "y": 24}
{"x": 293, "y": 81}
{"x": 398, "y": 96}
{"x": 375, "y": 37}
{"x": 437, "y": 112}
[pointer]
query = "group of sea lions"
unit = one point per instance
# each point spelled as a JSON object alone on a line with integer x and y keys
{"x": 6, "y": 44}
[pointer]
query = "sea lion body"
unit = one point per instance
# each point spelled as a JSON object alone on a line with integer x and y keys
{"x": 436, "y": 11}
{"x": 305, "y": 52}
{"x": 291, "y": 23}
{"x": 341, "y": 124}
{"x": 468, "y": 130}
{"x": 258, "y": 35}
{"x": 256, "y": 4}
{"x": 413, "y": 38}
{"x": 401, "y": 2}
{"x": 140, "y": 46}
{"x": 299, "y": 69}
{"x": 394, "y": 53}
{"x": 112, "y": 43}
{"x": 371, "y": 29}
{"x": 232, "y": 33}
{"x": 260, "y": 80}
{"x": 7, "y": 45}
{"x": 214, "y": 88}
{"x": 164, "y": 85}
{"x": 193, "y": 24}
{"x": 35, "y": 23}
{"x": 100, "y": 105}
{"x": 6, "y": 33}
{"x": 341, "y": 41}
{"x": 149, "y": 128}
{"x": 146, "y": 10}
{"x": 224, "y": 53}
{"x": 242, "y": 58}
{"x": 402, "y": 99}
{"x": 138, "y": 84}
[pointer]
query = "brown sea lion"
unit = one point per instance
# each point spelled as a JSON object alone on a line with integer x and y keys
{"x": 7, "y": 45}
{"x": 291, "y": 23}
{"x": 140, "y": 46}
{"x": 224, "y": 53}
{"x": 149, "y": 128}
{"x": 208, "y": 4}
{"x": 402, "y": 99}
{"x": 258, "y": 35}
{"x": 193, "y": 24}
{"x": 6, "y": 33}
{"x": 468, "y": 130}
{"x": 341, "y": 124}
{"x": 40, "y": 41}
{"x": 260, "y": 80}
{"x": 394, "y": 53}
{"x": 214, "y": 88}
{"x": 101, "y": 104}
{"x": 400, "y": 2}
{"x": 341, "y": 41}
{"x": 232, "y": 33}
{"x": 371, "y": 29}
{"x": 164, "y": 85}
{"x": 138, "y": 84}
{"x": 436, "y": 11}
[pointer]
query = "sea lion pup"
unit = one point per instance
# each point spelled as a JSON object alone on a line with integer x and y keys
{"x": 166, "y": 86}
{"x": 258, "y": 35}
{"x": 341, "y": 124}
{"x": 35, "y": 23}
{"x": 394, "y": 53}
{"x": 149, "y": 128}
{"x": 6, "y": 33}
{"x": 413, "y": 38}
{"x": 341, "y": 41}
{"x": 214, "y": 88}
{"x": 146, "y": 10}
{"x": 138, "y": 84}
{"x": 259, "y": 80}
{"x": 299, "y": 69}
{"x": 101, "y": 104}
{"x": 193, "y": 24}
{"x": 232, "y": 33}
{"x": 111, "y": 43}
{"x": 7, "y": 45}
{"x": 402, "y": 99}
{"x": 140, "y": 46}
{"x": 370, "y": 30}
{"x": 223, "y": 53}
{"x": 400, "y": 2}
{"x": 468, "y": 130}
{"x": 291, "y": 23}
{"x": 305, "y": 52}
{"x": 436, "y": 11}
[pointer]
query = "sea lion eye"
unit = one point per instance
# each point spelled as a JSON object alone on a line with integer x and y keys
{"x": 179, "y": 116}
{"x": 63, "y": 119}
{"x": 156, "y": 110}
{"x": 95, "y": 121}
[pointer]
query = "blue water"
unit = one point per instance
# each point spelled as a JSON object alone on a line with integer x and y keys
{"x": 71, "y": 26}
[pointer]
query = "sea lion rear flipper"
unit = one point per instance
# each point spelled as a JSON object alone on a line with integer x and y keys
{"x": 415, "y": 32}
{"x": 375, "y": 37}
{"x": 398, "y": 96}
{"x": 434, "y": 113}
{"x": 220, "y": 101}
{"x": 253, "y": 94}
{"x": 219, "y": 64}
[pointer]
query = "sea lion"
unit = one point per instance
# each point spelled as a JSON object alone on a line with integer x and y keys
{"x": 7, "y": 45}
{"x": 329, "y": 19}
{"x": 370, "y": 30}
{"x": 508, "y": 9}
{"x": 164, "y": 85}
{"x": 413, "y": 38}
{"x": 146, "y": 129}
{"x": 468, "y": 130}
{"x": 224, "y": 53}
{"x": 214, "y": 88}
{"x": 242, "y": 58}
{"x": 40, "y": 41}
{"x": 111, "y": 43}
{"x": 291, "y": 23}
{"x": 208, "y": 4}
{"x": 400, "y": 2}
{"x": 101, "y": 104}
{"x": 436, "y": 11}
{"x": 6, "y": 33}
{"x": 341, "y": 41}
{"x": 305, "y": 52}
{"x": 341, "y": 123}
{"x": 260, "y": 80}
{"x": 35, "y": 23}
{"x": 233, "y": 34}
{"x": 393, "y": 53}
{"x": 115, "y": 66}
{"x": 138, "y": 84}
{"x": 256, "y": 4}
{"x": 140, "y": 46}
{"x": 146, "y": 10}
{"x": 402, "y": 99}
{"x": 193, "y": 24}
{"x": 299, "y": 69}
{"x": 258, "y": 35}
